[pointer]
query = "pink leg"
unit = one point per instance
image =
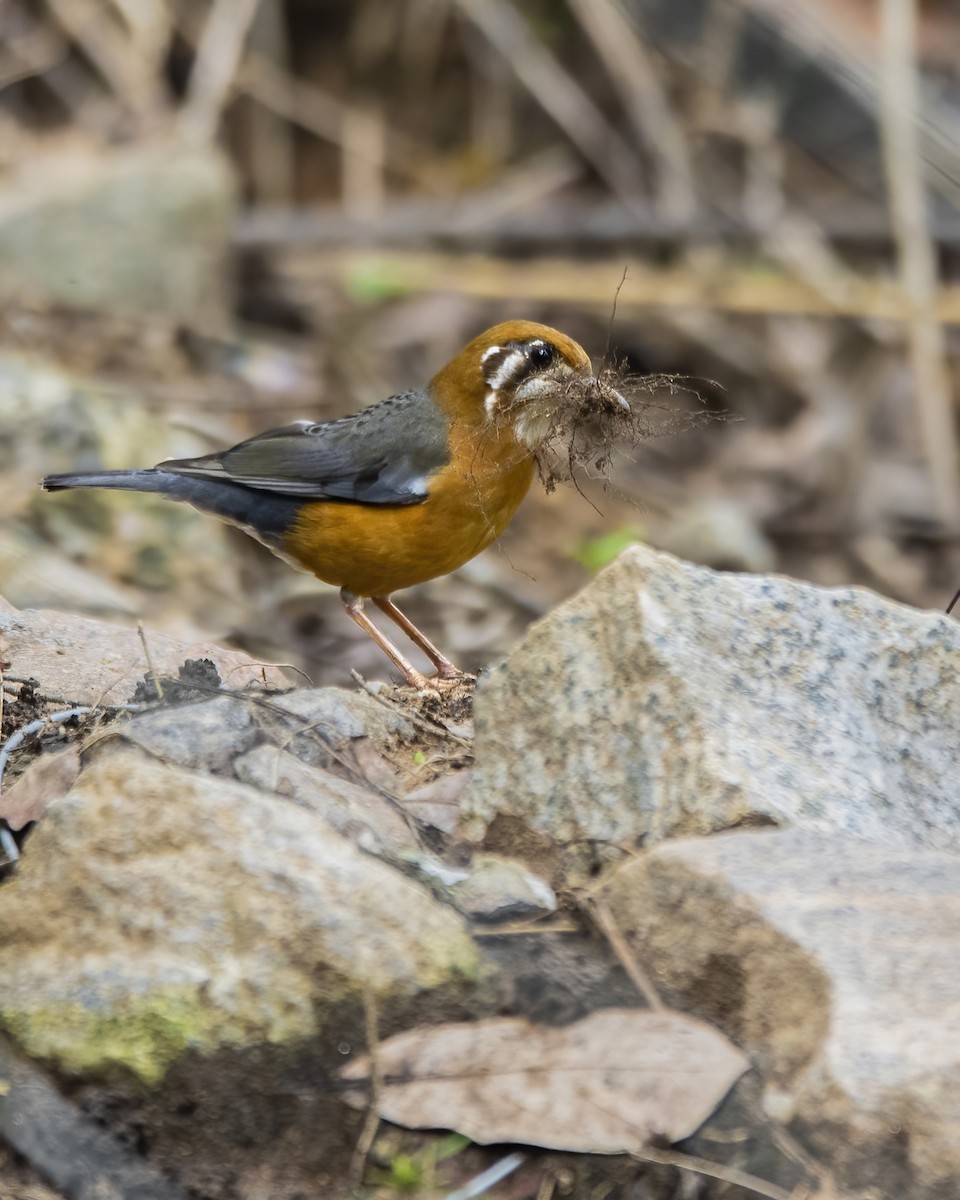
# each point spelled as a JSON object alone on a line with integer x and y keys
{"x": 445, "y": 668}
{"x": 354, "y": 607}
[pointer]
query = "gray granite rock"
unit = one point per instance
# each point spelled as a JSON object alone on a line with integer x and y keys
{"x": 205, "y": 736}
{"x": 836, "y": 964}
{"x": 97, "y": 662}
{"x": 322, "y": 719}
{"x": 666, "y": 699}
{"x": 367, "y": 819}
{"x": 141, "y": 231}
{"x": 159, "y": 911}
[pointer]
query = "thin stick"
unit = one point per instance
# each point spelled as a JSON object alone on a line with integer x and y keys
{"x": 322, "y": 114}
{"x": 613, "y": 316}
{"x": 36, "y": 53}
{"x": 559, "y": 94}
{"x": 483, "y": 1182}
{"x": 150, "y": 667}
{"x": 630, "y": 67}
{"x": 362, "y": 188}
{"x": 272, "y": 151}
{"x": 918, "y": 268}
{"x": 371, "y": 1124}
{"x": 603, "y": 919}
{"x": 553, "y": 279}
{"x": 214, "y": 69}
{"x": 117, "y": 58}
{"x": 703, "y": 1166}
{"x": 548, "y": 1185}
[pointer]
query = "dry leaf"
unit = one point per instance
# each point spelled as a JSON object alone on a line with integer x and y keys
{"x": 47, "y": 778}
{"x": 604, "y": 1085}
{"x": 438, "y": 803}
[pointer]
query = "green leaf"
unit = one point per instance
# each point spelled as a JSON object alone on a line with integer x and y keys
{"x": 596, "y": 553}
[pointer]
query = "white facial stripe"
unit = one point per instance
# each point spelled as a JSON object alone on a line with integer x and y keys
{"x": 490, "y": 404}
{"x": 507, "y": 369}
{"x": 486, "y": 354}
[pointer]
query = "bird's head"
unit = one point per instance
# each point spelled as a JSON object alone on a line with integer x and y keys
{"x": 509, "y": 375}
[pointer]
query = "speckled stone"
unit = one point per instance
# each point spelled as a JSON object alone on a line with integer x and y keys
{"x": 368, "y": 820}
{"x": 667, "y": 699}
{"x": 159, "y": 912}
{"x": 97, "y": 662}
{"x": 205, "y": 736}
{"x": 835, "y": 963}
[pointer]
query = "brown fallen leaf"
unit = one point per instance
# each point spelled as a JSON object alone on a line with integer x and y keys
{"x": 438, "y": 803}
{"x": 605, "y": 1085}
{"x": 47, "y": 778}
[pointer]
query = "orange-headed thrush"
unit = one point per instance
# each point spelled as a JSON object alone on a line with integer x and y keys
{"x": 399, "y": 493}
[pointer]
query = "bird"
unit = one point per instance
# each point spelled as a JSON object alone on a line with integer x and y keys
{"x": 404, "y": 491}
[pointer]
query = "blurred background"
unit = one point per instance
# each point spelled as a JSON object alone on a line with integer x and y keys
{"x": 220, "y": 215}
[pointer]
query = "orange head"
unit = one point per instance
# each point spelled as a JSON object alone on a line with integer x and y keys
{"x": 493, "y": 377}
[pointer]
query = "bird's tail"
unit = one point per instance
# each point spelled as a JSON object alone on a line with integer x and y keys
{"x": 130, "y": 481}
{"x": 264, "y": 514}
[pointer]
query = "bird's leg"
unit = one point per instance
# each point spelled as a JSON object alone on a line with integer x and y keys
{"x": 354, "y": 606}
{"x": 445, "y": 668}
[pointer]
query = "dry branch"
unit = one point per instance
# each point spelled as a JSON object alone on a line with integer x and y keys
{"x": 67, "y": 1147}
{"x": 559, "y": 94}
{"x": 732, "y": 289}
{"x": 117, "y": 58}
{"x": 318, "y": 112}
{"x": 215, "y": 66}
{"x": 702, "y": 1166}
{"x": 632, "y": 72}
{"x": 918, "y": 270}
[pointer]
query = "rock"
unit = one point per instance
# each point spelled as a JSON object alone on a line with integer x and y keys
{"x": 666, "y": 700}
{"x": 158, "y": 911}
{"x": 368, "y": 820}
{"x": 502, "y": 889}
{"x": 327, "y": 717}
{"x": 90, "y": 662}
{"x": 38, "y": 575}
{"x": 135, "y": 231}
{"x": 206, "y": 736}
{"x": 834, "y": 963}
{"x": 104, "y": 552}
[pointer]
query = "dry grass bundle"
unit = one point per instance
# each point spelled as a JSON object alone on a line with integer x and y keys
{"x": 583, "y": 425}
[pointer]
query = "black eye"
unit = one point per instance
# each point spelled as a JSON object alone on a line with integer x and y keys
{"x": 541, "y": 354}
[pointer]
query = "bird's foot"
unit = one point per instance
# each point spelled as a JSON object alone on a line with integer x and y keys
{"x": 440, "y": 684}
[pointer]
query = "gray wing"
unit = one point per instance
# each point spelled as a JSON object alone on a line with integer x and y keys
{"x": 383, "y": 455}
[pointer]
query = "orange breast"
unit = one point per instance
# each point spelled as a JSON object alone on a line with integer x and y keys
{"x": 373, "y": 550}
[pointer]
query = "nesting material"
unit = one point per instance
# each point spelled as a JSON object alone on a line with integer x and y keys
{"x": 582, "y": 424}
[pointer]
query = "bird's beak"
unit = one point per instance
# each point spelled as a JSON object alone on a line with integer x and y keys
{"x": 591, "y": 390}
{"x": 608, "y": 393}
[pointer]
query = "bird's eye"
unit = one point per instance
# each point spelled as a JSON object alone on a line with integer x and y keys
{"x": 541, "y": 354}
